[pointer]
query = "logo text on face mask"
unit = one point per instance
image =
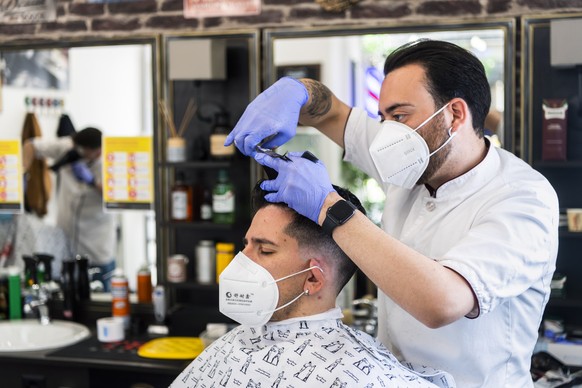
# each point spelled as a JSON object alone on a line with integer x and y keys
{"x": 408, "y": 151}
{"x": 239, "y": 298}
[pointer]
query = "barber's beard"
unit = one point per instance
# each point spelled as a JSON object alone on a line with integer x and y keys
{"x": 436, "y": 134}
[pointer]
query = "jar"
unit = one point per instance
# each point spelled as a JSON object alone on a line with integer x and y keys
{"x": 218, "y": 135}
{"x": 177, "y": 268}
{"x": 224, "y": 255}
{"x": 176, "y": 149}
{"x": 205, "y": 257}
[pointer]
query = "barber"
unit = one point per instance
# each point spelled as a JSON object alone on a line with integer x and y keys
{"x": 80, "y": 213}
{"x": 468, "y": 244}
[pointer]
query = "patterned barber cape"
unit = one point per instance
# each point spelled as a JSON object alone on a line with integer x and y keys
{"x": 315, "y": 351}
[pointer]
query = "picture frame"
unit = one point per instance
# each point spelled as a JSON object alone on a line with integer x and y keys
{"x": 312, "y": 71}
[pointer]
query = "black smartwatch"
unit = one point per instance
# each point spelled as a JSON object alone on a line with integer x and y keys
{"x": 337, "y": 214}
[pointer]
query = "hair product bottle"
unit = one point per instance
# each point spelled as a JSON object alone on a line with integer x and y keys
{"x": 220, "y": 131}
{"x": 181, "y": 200}
{"x": 144, "y": 285}
{"x": 120, "y": 297}
{"x": 223, "y": 200}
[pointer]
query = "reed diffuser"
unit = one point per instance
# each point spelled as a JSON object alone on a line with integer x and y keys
{"x": 176, "y": 144}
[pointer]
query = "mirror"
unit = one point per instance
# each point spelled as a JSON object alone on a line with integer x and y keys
{"x": 107, "y": 84}
{"x": 350, "y": 62}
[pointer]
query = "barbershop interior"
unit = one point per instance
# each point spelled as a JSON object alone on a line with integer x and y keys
{"x": 123, "y": 199}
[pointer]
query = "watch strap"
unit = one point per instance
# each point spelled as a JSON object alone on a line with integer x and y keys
{"x": 332, "y": 221}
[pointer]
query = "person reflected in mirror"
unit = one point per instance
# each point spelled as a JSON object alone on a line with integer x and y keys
{"x": 282, "y": 289}
{"x": 90, "y": 230}
{"x": 464, "y": 258}
{"x": 492, "y": 127}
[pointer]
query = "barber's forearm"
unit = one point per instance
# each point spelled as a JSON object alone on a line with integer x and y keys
{"x": 324, "y": 111}
{"x": 432, "y": 293}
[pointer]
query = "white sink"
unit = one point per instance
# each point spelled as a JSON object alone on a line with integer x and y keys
{"x": 29, "y": 334}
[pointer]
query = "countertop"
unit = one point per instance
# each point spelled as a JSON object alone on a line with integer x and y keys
{"x": 90, "y": 353}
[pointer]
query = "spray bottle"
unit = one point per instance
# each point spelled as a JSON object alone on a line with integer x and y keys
{"x": 120, "y": 297}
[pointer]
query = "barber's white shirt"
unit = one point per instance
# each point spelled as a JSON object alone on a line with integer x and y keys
{"x": 80, "y": 213}
{"x": 497, "y": 226}
{"x": 313, "y": 351}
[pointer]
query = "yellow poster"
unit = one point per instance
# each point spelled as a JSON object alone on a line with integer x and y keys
{"x": 128, "y": 173}
{"x": 10, "y": 177}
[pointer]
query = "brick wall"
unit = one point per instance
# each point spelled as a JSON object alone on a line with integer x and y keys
{"x": 81, "y": 19}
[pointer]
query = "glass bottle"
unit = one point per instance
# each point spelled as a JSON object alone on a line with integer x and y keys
{"x": 206, "y": 205}
{"x": 223, "y": 199}
{"x": 70, "y": 297}
{"x": 218, "y": 135}
{"x": 181, "y": 200}
{"x": 83, "y": 286}
{"x": 224, "y": 255}
{"x": 144, "y": 285}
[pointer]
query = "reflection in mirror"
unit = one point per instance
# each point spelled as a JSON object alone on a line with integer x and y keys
{"x": 351, "y": 64}
{"x": 107, "y": 85}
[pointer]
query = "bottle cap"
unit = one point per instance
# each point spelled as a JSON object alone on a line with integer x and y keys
{"x": 225, "y": 247}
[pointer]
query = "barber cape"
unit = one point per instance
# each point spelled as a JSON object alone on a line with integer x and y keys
{"x": 314, "y": 351}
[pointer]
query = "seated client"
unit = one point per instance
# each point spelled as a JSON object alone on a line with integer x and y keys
{"x": 291, "y": 333}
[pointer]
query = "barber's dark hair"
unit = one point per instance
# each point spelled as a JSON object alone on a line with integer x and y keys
{"x": 89, "y": 138}
{"x": 309, "y": 235}
{"x": 451, "y": 72}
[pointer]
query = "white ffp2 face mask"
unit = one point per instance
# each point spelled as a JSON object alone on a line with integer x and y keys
{"x": 400, "y": 154}
{"x": 248, "y": 294}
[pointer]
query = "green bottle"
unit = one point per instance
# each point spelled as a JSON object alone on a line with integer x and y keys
{"x": 223, "y": 200}
{"x": 14, "y": 293}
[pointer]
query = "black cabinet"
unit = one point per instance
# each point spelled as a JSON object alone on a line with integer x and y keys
{"x": 542, "y": 81}
{"x": 229, "y": 92}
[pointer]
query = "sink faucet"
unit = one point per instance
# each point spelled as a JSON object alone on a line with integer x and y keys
{"x": 37, "y": 300}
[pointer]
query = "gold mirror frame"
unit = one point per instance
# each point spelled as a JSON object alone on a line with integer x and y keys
{"x": 528, "y": 30}
{"x": 84, "y": 42}
{"x": 506, "y": 25}
{"x": 165, "y": 238}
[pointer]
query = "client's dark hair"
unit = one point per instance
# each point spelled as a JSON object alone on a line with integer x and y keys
{"x": 309, "y": 235}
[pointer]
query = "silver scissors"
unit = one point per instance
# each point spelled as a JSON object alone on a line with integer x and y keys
{"x": 272, "y": 153}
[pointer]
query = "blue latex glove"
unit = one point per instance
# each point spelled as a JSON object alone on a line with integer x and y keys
{"x": 83, "y": 173}
{"x": 302, "y": 184}
{"x": 274, "y": 114}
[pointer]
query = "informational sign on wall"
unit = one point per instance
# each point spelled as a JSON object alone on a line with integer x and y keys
{"x": 211, "y": 8}
{"x": 128, "y": 173}
{"x": 10, "y": 177}
{"x": 28, "y": 11}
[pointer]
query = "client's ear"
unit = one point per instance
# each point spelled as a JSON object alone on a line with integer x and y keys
{"x": 315, "y": 282}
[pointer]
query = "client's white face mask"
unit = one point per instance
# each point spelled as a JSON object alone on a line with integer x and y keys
{"x": 400, "y": 154}
{"x": 248, "y": 294}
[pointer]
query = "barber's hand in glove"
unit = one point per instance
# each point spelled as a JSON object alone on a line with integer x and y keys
{"x": 301, "y": 183}
{"x": 83, "y": 173}
{"x": 275, "y": 112}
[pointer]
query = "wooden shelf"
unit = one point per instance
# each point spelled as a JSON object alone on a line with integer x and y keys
{"x": 558, "y": 164}
{"x": 192, "y": 285}
{"x": 565, "y": 302}
{"x": 198, "y": 225}
{"x": 201, "y": 164}
{"x": 566, "y": 233}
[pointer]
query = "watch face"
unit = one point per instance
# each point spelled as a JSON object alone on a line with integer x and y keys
{"x": 342, "y": 210}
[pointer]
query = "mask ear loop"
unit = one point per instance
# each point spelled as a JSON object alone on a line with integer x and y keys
{"x": 305, "y": 292}
{"x": 451, "y": 135}
{"x": 431, "y": 117}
